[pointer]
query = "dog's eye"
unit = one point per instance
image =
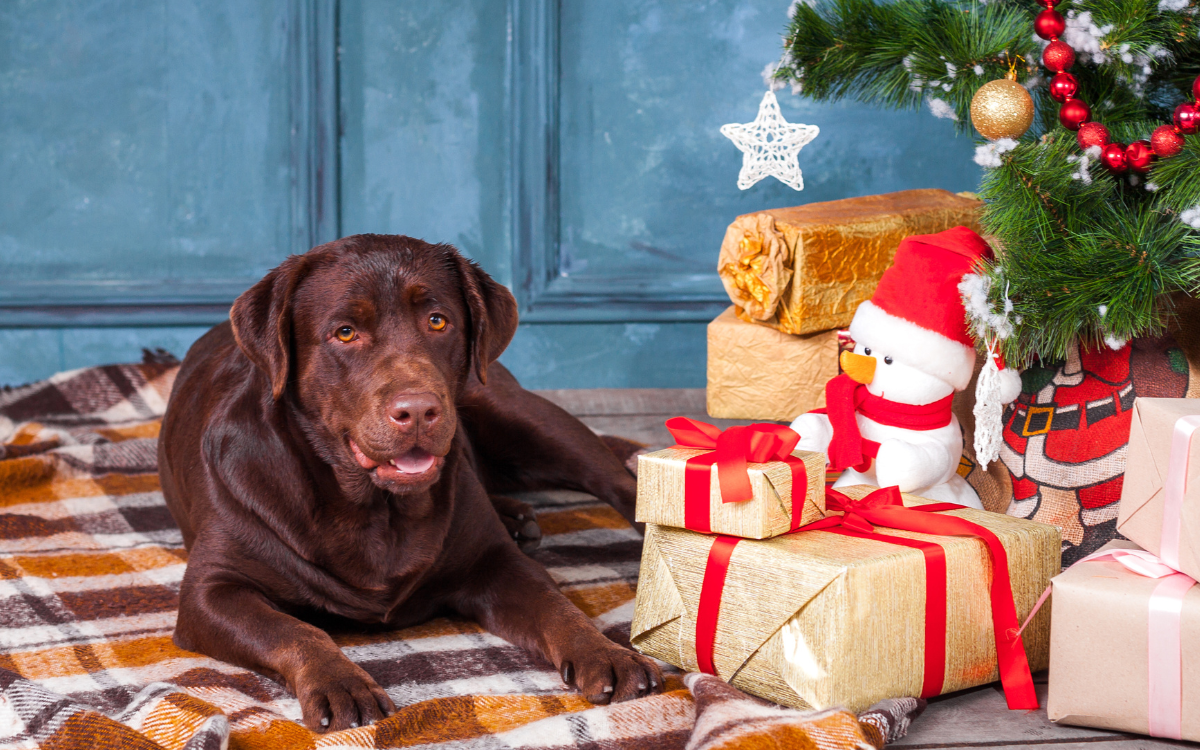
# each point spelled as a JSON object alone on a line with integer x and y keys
{"x": 437, "y": 322}
{"x": 887, "y": 360}
{"x": 346, "y": 334}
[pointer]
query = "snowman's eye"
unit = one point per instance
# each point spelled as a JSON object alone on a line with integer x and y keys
{"x": 867, "y": 350}
{"x": 887, "y": 360}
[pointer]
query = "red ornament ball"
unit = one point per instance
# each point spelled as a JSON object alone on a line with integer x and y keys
{"x": 1166, "y": 141}
{"x": 1058, "y": 56}
{"x": 1139, "y": 156}
{"x": 1073, "y": 114}
{"x": 1114, "y": 158}
{"x": 1049, "y": 24}
{"x": 1196, "y": 88}
{"x": 1187, "y": 118}
{"x": 1063, "y": 86}
{"x": 1092, "y": 134}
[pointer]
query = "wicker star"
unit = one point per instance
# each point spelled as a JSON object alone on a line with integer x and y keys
{"x": 770, "y": 145}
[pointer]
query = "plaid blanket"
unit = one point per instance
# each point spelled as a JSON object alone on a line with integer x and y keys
{"x": 90, "y": 566}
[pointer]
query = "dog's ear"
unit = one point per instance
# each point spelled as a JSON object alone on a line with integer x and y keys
{"x": 262, "y": 321}
{"x": 493, "y": 312}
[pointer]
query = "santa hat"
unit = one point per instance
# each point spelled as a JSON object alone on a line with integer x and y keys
{"x": 918, "y": 306}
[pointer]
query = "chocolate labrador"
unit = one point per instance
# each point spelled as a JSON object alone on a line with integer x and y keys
{"x": 330, "y": 452}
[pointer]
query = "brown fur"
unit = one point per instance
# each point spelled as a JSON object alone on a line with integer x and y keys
{"x": 284, "y": 525}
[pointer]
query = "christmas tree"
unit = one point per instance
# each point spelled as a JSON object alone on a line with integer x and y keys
{"x": 1097, "y": 225}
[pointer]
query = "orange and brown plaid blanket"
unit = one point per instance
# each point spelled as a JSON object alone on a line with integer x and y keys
{"x": 90, "y": 565}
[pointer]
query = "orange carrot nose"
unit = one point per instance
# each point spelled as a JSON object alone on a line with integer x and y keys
{"x": 860, "y": 369}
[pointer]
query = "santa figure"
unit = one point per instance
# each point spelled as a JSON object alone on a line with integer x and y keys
{"x": 887, "y": 418}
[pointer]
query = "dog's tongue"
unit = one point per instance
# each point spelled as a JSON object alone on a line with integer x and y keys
{"x": 416, "y": 461}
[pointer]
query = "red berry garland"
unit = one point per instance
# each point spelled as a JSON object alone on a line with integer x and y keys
{"x": 1058, "y": 57}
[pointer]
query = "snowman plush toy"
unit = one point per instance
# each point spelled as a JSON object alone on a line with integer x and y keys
{"x": 887, "y": 418}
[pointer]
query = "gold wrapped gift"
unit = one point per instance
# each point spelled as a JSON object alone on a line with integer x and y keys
{"x": 806, "y": 269}
{"x": 817, "y": 619}
{"x": 661, "y": 494}
{"x": 758, "y": 372}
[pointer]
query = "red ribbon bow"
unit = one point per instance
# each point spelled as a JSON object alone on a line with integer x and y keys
{"x": 731, "y": 450}
{"x": 884, "y": 507}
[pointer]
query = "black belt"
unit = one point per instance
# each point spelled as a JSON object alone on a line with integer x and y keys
{"x": 1038, "y": 420}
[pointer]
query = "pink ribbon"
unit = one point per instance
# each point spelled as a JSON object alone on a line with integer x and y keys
{"x": 1175, "y": 487}
{"x": 1166, "y": 660}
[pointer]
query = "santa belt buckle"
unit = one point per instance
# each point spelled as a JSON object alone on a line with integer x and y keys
{"x": 1048, "y": 411}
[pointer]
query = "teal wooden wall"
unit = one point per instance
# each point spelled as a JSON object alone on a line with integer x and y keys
{"x": 157, "y": 156}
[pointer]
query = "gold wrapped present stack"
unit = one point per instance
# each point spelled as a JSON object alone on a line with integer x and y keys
{"x": 879, "y": 594}
{"x": 795, "y": 275}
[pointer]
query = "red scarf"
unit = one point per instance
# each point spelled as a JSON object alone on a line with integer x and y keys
{"x": 845, "y": 397}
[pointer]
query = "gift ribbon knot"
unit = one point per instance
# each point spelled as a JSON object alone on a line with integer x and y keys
{"x": 732, "y": 450}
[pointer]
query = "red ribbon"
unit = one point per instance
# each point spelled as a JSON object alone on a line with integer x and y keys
{"x": 884, "y": 507}
{"x": 731, "y": 450}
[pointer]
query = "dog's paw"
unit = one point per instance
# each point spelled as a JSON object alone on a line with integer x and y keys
{"x": 336, "y": 695}
{"x": 611, "y": 674}
{"x": 519, "y": 521}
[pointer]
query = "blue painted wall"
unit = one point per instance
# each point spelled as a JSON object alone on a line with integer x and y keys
{"x": 158, "y": 155}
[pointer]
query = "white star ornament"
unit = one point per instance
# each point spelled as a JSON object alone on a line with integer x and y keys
{"x": 770, "y": 145}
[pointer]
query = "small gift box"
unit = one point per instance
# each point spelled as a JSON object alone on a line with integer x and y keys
{"x": 896, "y": 597}
{"x": 807, "y": 268}
{"x": 758, "y": 372}
{"x": 1160, "y": 498}
{"x": 744, "y": 481}
{"x": 1125, "y": 645}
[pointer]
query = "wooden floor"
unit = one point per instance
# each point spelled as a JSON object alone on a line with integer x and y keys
{"x": 971, "y": 718}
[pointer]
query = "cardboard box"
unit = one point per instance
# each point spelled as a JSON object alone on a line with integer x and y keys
{"x": 758, "y": 372}
{"x": 1140, "y": 517}
{"x": 816, "y": 619}
{"x": 1099, "y": 655}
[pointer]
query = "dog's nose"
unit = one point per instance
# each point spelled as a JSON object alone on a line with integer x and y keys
{"x": 410, "y": 411}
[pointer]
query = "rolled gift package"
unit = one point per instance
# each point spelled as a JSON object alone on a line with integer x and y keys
{"x": 744, "y": 481}
{"x": 854, "y": 612}
{"x": 1160, "y": 497}
{"x": 1125, "y": 645}
{"x": 807, "y": 268}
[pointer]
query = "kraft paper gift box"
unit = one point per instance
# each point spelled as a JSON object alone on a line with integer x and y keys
{"x": 781, "y": 494}
{"x": 1160, "y": 498}
{"x": 758, "y": 372}
{"x": 1101, "y": 650}
{"x": 807, "y": 268}
{"x": 817, "y": 619}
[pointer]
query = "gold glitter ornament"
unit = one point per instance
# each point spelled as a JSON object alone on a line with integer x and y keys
{"x": 1002, "y": 109}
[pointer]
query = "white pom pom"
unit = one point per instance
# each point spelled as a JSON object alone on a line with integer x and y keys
{"x": 1010, "y": 385}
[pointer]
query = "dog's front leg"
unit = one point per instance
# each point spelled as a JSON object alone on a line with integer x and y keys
{"x": 515, "y": 598}
{"x": 231, "y": 621}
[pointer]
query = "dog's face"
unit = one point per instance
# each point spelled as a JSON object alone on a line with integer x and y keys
{"x": 373, "y": 337}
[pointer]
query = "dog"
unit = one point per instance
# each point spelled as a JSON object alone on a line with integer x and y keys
{"x": 332, "y": 452}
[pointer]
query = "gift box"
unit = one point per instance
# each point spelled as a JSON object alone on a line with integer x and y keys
{"x": 846, "y": 615}
{"x": 758, "y": 372}
{"x": 711, "y": 483}
{"x": 1160, "y": 498}
{"x": 806, "y": 269}
{"x": 1125, "y": 647}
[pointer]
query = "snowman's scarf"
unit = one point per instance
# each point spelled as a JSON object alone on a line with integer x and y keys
{"x": 844, "y": 398}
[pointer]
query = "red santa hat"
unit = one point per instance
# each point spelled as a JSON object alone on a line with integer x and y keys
{"x": 918, "y": 306}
